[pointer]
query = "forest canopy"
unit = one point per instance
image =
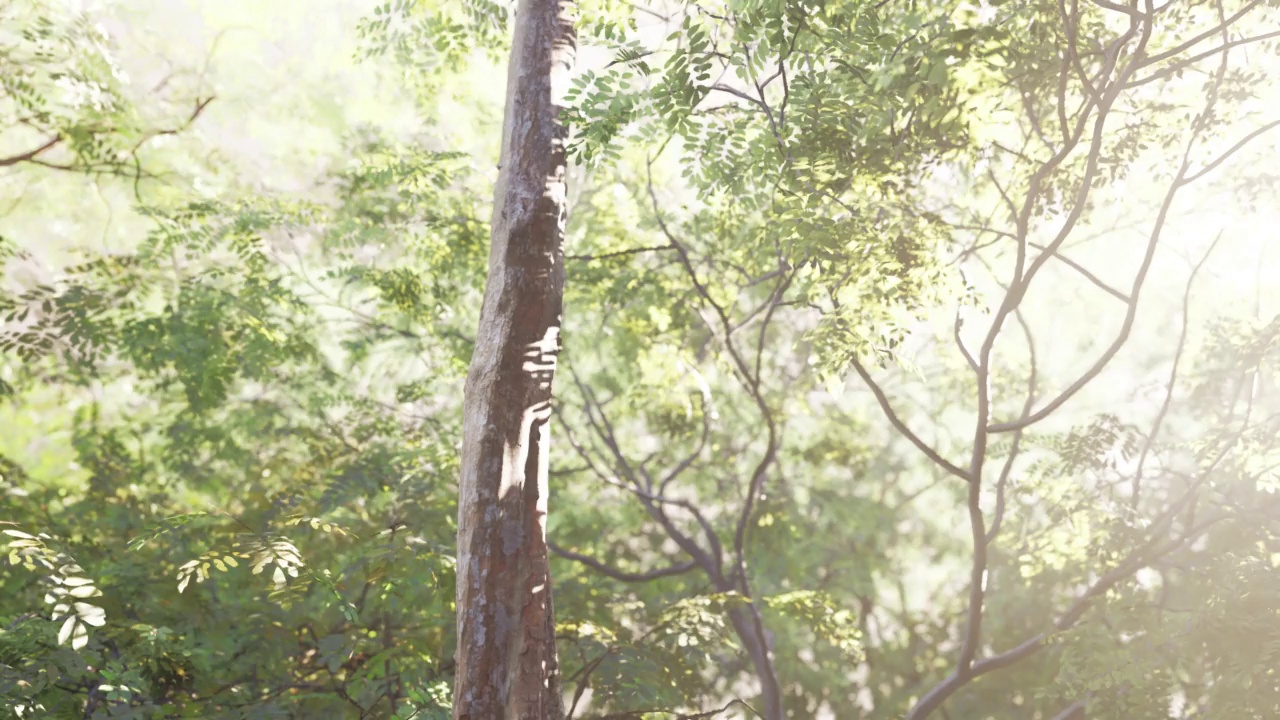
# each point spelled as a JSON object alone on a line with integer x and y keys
{"x": 916, "y": 359}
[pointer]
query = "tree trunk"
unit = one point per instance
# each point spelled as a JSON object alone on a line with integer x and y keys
{"x": 745, "y": 622}
{"x": 506, "y": 656}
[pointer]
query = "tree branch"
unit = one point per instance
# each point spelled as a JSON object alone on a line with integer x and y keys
{"x": 1083, "y": 271}
{"x": 616, "y": 574}
{"x": 619, "y": 253}
{"x": 28, "y": 155}
{"x": 1173, "y": 376}
{"x": 902, "y": 428}
{"x": 1232, "y": 151}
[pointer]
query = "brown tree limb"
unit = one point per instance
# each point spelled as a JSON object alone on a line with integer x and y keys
{"x": 30, "y": 154}
{"x": 887, "y": 408}
{"x": 621, "y": 575}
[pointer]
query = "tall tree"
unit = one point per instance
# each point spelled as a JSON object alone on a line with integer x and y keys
{"x": 506, "y": 657}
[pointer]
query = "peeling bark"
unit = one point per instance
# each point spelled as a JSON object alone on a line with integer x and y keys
{"x": 506, "y": 656}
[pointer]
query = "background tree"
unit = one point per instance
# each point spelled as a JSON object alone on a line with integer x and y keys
{"x": 789, "y": 269}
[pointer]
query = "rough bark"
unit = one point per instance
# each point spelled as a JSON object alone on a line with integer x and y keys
{"x": 506, "y": 656}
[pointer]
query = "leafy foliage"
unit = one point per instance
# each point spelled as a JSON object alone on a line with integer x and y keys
{"x": 229, "y": 487}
